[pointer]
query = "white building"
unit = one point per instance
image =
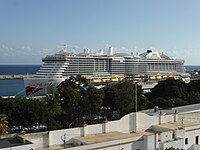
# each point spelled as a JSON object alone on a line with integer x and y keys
{"x": 146, "y": 130}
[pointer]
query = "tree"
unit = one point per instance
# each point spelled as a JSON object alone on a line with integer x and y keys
{"x": 179, "y": 102}
{"x": 110, "y": 93}
{"x": 193, "y": 86}
{"x": 194, "y": 98}
{"x": 77, "y": 99}
{"x": 3, "y": 124}
{"x": 168, "y": 89}
{"x": 53, "y": 110}
{"x": 93, "y": 101}
{"x": 160, "y": 102}
{"x": 125, "y": 97}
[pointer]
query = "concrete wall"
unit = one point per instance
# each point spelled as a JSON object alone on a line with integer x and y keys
{"x": 179, "y": 133}
{"x": 191, "y": 135}
{"x": 176, "y": 144}
{"x": 167, "y": 118}
{"x": 145, "y": 121}
{"x": 56, "y": 137}
{"x": 190, "y": 116}
{"x": 149, "y": 142}
{"x": 95, "y": 129}
{"x": 40, "y": 139}
{"x": 166, "y": 136}
{"x": 113, "y": 126}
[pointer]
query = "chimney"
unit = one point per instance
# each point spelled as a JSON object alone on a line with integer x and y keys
{"x": 110, "y": 51}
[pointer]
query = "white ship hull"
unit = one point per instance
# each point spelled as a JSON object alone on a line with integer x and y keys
{"x": 41, "y": 86}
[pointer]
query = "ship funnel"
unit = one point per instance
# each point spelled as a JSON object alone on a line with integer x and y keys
{"x": 101, "y": 51}
{"x": 110, "y": 51}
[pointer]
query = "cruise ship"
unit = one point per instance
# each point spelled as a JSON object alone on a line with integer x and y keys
{"x": 60, "y": 66}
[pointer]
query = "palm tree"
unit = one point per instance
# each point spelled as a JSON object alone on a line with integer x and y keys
{"x": 3, "y": 124}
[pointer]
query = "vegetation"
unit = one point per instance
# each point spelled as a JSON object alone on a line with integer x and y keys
{"x": 3, "y": 124}
{"x": 76, "y": 103}
{"x": 173, "y": 93}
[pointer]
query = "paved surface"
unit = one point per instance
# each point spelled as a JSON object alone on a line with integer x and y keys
{"x": 173, "y": 126}
{"x": 182, "y": 109}
{"x": 98, "y": 138}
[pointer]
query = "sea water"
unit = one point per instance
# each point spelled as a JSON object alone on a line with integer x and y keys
{"x": 15, "y": 87}
{"x": 18, "y": 69}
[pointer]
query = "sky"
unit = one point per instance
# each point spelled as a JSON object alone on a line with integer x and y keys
{"x": 31, "y": 29}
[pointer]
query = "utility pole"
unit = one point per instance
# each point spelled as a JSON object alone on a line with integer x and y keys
{"x": 136, "y": 117}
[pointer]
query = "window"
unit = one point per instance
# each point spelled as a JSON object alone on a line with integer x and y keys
{"x": 197, "y": 140}
{"x": 186, "y": 141}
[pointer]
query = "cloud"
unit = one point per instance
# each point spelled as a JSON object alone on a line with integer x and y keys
{"x": 17, "y": 55}
{"x": 29, "y": 55}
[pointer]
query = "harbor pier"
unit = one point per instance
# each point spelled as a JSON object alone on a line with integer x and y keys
{"x": 11, "y": 77}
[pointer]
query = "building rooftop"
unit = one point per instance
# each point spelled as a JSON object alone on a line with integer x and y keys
{"x": 181, "y": 109}
{"x": 11, "y": 142}
{"x": 174, "y": 125}
{"x": 110, "y": 136}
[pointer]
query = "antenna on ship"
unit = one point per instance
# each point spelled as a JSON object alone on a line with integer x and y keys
{"x": 65, "y": 47}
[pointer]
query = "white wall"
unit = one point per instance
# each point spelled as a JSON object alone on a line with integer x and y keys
{"x": 149, "y": 142}
{"x": 191, "y": 135}
{"x": 166, "y": 136}
{"x": 40, "y": 139}
{"x": 167, "y": 118}
{"x": 113, "y": 126}
{"x": 145, "y": 121}
{"x": 176, "y": 144}
{"x": 190, "y": 116}
{"x": 95, "y": 129}
{"x": 179, "y": 133}
{"x": 55, "y": 136}
{"x": 125, "y": 125}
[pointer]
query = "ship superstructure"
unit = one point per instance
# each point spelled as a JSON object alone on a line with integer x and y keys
{"x": 60, "y": 66}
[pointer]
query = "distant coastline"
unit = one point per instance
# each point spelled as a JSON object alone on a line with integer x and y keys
{"x": 12, "y": 77}
{"x": 192, "y": 67}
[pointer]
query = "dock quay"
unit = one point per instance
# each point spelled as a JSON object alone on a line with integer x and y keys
{"x": 11, "y": 77}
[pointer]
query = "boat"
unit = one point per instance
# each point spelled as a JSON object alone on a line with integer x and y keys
{"x": 60, "y": 66}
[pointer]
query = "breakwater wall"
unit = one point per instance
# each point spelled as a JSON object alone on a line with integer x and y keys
{"x": 11, "y": 77}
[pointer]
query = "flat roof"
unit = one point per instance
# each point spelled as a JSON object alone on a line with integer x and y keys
{"x": 110, "y": 136}
{"x": 173, "y": 126}
{"x": 181, "y": 109}
{"x": 11, "y": 142}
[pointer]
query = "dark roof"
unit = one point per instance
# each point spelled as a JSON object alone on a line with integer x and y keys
{"x": 11, "y": 142}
